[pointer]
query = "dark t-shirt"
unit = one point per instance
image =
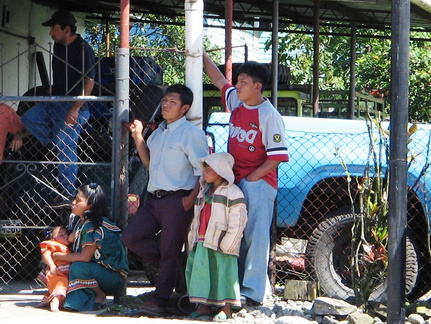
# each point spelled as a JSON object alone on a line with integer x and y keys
{"x": 80, "y": 58}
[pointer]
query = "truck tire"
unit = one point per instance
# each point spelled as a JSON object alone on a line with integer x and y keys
{"x": 328, "y": 251}
{"x": 136, "y": 263}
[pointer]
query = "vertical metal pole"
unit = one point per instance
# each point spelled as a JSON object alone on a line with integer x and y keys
{"x": 1, "y": 70}
{"x": 274, "y": 68}
{"x": 398, "y": 160}
{"x": 33, "y": 64}
{"x": 66, "y": 71}
{"x": 51, "y": 53}
{"x": 124, "y": 23}
{"x": 316, "y": 44}
{"x": 274, "y": 96}
{"x": 228, "y": 37}
{"x": 108, "y": 37}
{"x": 352, "y": 91}
{"x": 18, "y": 68}
{"x": 194, "y": 61}
{"x": 120, "y": 143}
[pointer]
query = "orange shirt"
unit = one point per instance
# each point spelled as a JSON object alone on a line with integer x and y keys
{"x": 54, "y": 246}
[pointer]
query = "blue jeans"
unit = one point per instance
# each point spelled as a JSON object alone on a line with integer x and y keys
{"x": 254, "y": 252}
{"x": 46, "y": 122}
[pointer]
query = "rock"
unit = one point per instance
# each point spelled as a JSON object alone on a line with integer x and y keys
{"x": 423, "y": 310}
{"x": 292, "y": 308}
{"x": 293, "y": 320}
{"x": 329, "y": 320}
{"x": 416, "y": 319}
{"x": 377, "y": 320}
{"x": 360, "y": 318}
{"x": 378, "y": 310}
{"x": 300, "y": 289}
{"x": 274, "y": 310}
{"x": 332, "y": 306}
{"x": 265, "y": 320}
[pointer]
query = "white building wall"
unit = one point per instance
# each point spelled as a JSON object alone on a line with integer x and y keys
{"x": 18, "y": 72}
{"x": 264, "y": 56}
{"x": 254, "y": 40}
{"x": 240, "y": 37}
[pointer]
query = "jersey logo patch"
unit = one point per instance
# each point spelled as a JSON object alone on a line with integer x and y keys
{"x": 251, "y": 148}
{"x": 252, "y": 125}
{"x": 277, "y": 138}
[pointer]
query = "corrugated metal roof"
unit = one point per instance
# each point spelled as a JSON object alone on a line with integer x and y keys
{"x": 363, "y": 13}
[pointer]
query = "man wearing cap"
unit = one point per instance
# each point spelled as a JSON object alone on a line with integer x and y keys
{"x": 58, "y": 124}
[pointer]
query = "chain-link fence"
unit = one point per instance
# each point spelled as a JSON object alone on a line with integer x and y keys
{"x": 38, "y": 180}
{"x": 331, "y": 180}
{"x": 334, "y": 165}
{"x": 317, "y": 188}
{"x": 32, "y": 189}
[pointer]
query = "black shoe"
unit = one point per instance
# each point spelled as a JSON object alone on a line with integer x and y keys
{"x": 60, "y": 203}
{"x": 246, "y": 301}
{"x": 251, "y": 302}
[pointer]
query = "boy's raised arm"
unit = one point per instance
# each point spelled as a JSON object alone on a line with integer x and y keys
{"x": 217, "y": 78}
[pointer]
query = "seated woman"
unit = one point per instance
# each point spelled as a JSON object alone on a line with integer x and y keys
{"x": 99, "y": 260}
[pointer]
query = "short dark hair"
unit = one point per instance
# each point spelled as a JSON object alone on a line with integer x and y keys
{"x": 257, "y": 71}
{"x": 186, "y": 94}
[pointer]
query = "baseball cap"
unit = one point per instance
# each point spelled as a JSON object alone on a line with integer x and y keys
{"x": 61, "y": 17}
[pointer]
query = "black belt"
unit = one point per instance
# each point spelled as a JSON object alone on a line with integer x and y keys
{"x": 163, "y": 193}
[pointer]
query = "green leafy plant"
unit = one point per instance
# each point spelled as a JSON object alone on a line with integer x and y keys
{"x": 370, "y": 206}
{"x": 163, "y": 40}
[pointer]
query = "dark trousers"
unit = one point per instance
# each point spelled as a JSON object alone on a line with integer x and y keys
{"x": 166, "y": 214}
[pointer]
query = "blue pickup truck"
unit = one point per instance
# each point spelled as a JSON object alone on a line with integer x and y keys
{"x": 314, "y": 204}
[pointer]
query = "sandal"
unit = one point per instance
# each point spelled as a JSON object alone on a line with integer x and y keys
{"x": 197, "y": 314}
{"x": 220, "y": 317}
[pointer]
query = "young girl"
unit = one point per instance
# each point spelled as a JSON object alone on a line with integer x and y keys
{"x": 214, "y": 239}
{"x": 99, "y": 260}
{"x": 55, "y": 276}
